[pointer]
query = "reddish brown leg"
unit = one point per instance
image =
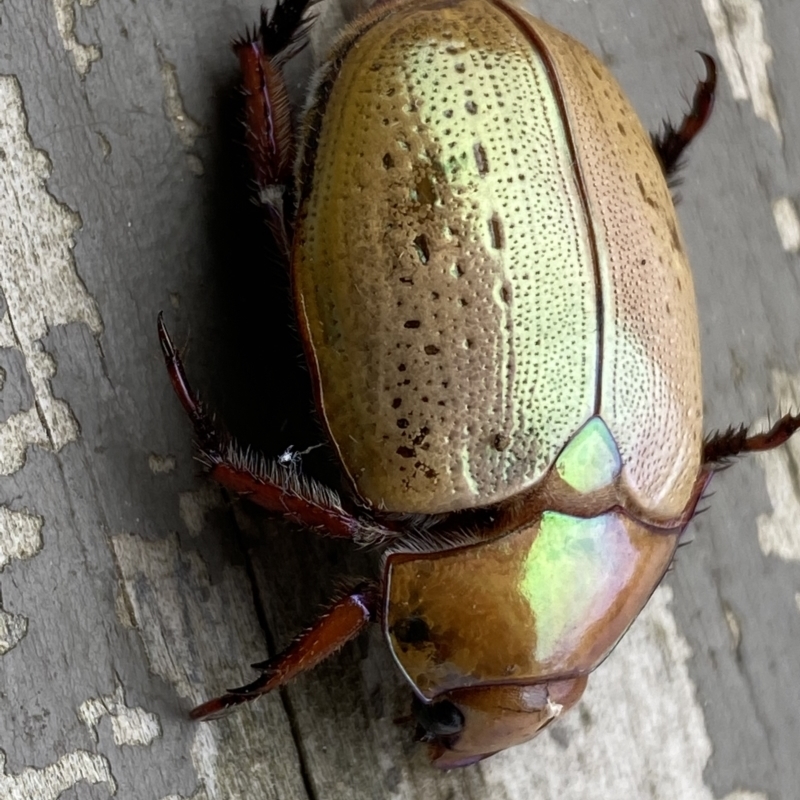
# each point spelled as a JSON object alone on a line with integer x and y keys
{"x": 262, "y": 54}
{"x": 342, "y": 622}
{"x": 671, "y": 142}
{"x": 268, "y": 125}
{"x": 736, "y": 442}
{"x": 271, "y": 486}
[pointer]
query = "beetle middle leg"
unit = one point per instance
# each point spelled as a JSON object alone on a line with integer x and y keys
{"x": 735, "y": 441}
{"x": 670, "y": 143}
{"x": 269, "y": 485}
{"x": 343, "y": 621}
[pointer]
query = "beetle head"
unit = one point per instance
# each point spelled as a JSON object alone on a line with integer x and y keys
{"x": 468, "y": 725}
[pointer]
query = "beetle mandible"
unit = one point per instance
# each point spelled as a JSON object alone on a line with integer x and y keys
{"x": 499, "y": 319}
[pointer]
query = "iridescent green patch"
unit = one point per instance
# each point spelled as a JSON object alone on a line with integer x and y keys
{"x": 591, "y": 460}
{"x": 571, "y": 576}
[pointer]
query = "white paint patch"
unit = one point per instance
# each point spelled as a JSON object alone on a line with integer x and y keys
{"x": 20, "y": 538}
{"x": 779, "y": 532}
{"x": 17, "y": 433}
{"x": 131, "y": 726}
{"x": 738, "y": 28}
{"x": 13, "y": 628}
{"x": 83, "y": 55}
{"x": 205, "y": 757}
{"x": 105, "y": 145}
{"x": 195, "y": 505}
{"x": 50, "y": 782}
{"x": 38, "y": 280}
{"x": 161, "y": 465}
{"x": 733, "y": 626}
{"x": 797, "y": 600}
{"x": 20, "y": 535}
{"x": 788, "y": 224}
{"x": 642, "y": 694}
{"x": 742, "y": 794}
{"x": 186, "y": 128}
{"x": 123, "y": 612}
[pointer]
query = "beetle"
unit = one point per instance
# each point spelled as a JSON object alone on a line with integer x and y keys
{"x": 499, "y": 319}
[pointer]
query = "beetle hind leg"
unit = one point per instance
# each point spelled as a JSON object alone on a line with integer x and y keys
{"x": 721, "y": 447}
{"x": 670, "y": 143}
{"x": 345, "y": 619}
{"x": 276, "y": 488}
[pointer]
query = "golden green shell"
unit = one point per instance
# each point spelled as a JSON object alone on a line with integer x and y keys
{"x": 486, "y": 256}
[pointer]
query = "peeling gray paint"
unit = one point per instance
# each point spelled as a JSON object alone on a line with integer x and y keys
{"x": 38, "y": 281}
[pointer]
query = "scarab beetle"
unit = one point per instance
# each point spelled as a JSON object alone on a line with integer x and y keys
{"x": 499, "y": 319}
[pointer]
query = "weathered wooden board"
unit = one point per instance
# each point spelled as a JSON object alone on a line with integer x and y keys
{"x": 131, "y": 589}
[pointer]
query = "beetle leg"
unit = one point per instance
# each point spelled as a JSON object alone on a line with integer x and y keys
{"x": 670, "y": 143}
{"x": 736, "y": 442}
{"x": 343, "y": 621}
{"x": 268, "y": 126}
{"x": 268, "y": 484}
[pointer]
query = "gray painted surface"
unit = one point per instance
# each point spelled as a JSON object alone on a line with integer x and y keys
{"x": 132, "y": 589}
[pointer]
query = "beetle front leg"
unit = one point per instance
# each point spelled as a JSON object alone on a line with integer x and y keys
{"x": 671, "y": 142}
{"x": 268, "y": 126}
{"x": 342, "y": 622}
{"x": 736, "y": 442}
{"x": 266, "y": 483}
